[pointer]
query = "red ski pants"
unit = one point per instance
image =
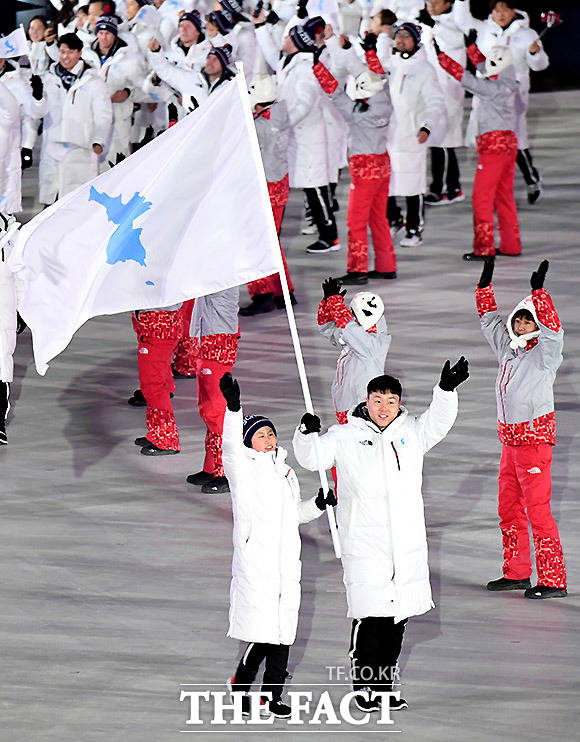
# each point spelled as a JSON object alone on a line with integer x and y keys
{"x": 367, "y": 207}
{"x": 525, "y": 488}
{"x": 493, "y": 192}
{"x": 184, "y": 358}
{"x": 271, "y": 284}
{"x": 156, "y": 382}
{"x": 212, "y": 408}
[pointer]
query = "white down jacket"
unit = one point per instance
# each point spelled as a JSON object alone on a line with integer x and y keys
{"x": 308, "y": 165}
{"x": 266, "y": 567}
{"x": 73, "y": 121}
{"x": 9, "y": 149}
{"x": 381, "y": 523}
{"x": 417, "y": 102}
{"x": 11, "y": 288}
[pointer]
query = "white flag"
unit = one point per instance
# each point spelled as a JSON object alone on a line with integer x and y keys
{"x": 14, "y": 45}
{"x": 185, "y": 216}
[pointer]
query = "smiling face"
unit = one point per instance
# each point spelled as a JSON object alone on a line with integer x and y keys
{"x": 68, "y": 57}
{"x": 188, "y": 33}
{"x": 383, "y": 407}
{"x": 213, "y": 66}
{"x": 264, "y": 440}
{"x": 523, "y": 325}
{"x": 95, "y": 12}
{"x": 36, "y": 29}
{"x": 436, "y": 7}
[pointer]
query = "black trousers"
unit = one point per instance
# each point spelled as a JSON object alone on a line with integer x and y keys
{"x": 276, "y": 656}
{"x": 444, "y": 171}
{"x": 321, "y": 213}
{"x": 414, "y": 216}
{"x": 375, "y": 646}
{"x": 526, "y": 165}
{"x": 4, "y": 397}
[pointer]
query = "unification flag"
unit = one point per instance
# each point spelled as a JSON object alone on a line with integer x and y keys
{"x": 15, "y": 44}
{"x": 183, "y": 217}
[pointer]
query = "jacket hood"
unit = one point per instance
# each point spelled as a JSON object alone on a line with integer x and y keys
{"x": 520, "y": 341}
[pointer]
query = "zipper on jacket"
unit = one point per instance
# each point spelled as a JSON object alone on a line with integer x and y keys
{"x": 396, "y": 456}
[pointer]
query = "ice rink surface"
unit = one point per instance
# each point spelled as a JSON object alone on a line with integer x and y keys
{"x": 115, "y": 572}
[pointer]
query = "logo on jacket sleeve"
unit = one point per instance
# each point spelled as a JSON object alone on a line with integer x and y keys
{"x": 535, "y": 470}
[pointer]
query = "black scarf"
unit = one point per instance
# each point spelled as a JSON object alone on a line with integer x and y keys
{"x": 67, "y": 78}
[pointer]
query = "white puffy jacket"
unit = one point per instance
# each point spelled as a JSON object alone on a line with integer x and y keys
{"x": 11, "y": 288}
{"x": 9, "y": 150}
{"x": 24, "y": 134}
{"x": 308, "y": 165}
{"x": 417, "y": 102}
{"x": 266, "y": 567}
{"x": 73, "y": 121}
{"x": 381, "y": 523}
{"x": 449, "y": 36}
{"x": 123, "y": 69}
{"x": 519, "y": 37}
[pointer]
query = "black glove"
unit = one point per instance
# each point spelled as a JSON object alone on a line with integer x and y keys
{"x": 487, "y": 272}
{"x": 37, "y": 87}
{"x": 471, "y": 37}
{"x": 331, "y": 287}
{"x": 231, "y": 391}
{"x": 537, "y": 279}
{"x": 20, "y": 324}
{"x": 369, "y": 42}
{"x": 155, "y": 80}
{"x": 452, "y": 377}
{"x": 272, "y": 18}
{"x": 316, "y": 54}
{"x": 26, "y": 157}
{"x": 172, "y": 113}
{"x": 425, "y": 18}
{"x": 258, "y": 9}
{"x": 436, "y": 46}
{"x": 310, "y": 424}
{"x": 301, "y": 11}
{"x": 346, "y": 43}
{"x": 322, "y": 501}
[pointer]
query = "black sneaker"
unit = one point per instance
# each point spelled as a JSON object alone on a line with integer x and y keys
{"x": 278, "y": 709}
{"x": 353, "y": 279}
{"x": 320, "y": 247}
{"x": 279, "y": 301}
{"x": 436, "y": 199}
{"x": 142, "y": 441}
{"x": 542, "y": 592}
{"x": 216, "y": 486}
{"x": 137, "y": 400}
{"x": 506, "y": 584}
{"x": 380, "y": 274}
{"x": 260, "y": 304}
{"x": 201, "y": 477}
{"x": 364, "y": 703}
{"x": 535, "y": 192}
{"x": 152, "y": 450}
{"x": 178, "y": 375}
{"x": 471, "y": 256}
{"x": 399, "y": 705}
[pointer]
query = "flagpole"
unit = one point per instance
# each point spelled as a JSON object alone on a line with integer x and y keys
{"x": 241, "y": 81}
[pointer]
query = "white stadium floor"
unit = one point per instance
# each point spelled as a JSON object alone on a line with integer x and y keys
{"x": 115, "y": 572}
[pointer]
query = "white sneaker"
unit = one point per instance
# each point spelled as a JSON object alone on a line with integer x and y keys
{"x": 309, "y": 229}
{"x": 411, "y": 240}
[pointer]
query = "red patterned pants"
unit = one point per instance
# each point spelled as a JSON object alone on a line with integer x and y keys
{"x": 271, "y": 284}
{"x": 525, "y": 488}
{"x": 212, "y": 408}
{"x": 367, "y": 207}
{"x": 493, "y": 192}
{"x": 185, "y": 353}
{"x": 156, "y": 382}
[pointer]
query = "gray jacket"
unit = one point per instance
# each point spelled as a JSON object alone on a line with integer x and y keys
{"x": 497, "y": 109}
{"x": 273, "y": 135}
{"x": 524, "y": 386}
{"x": 367, "y": 130}
{"x": 215, "y": 314}
{"x": 363, "y": 356}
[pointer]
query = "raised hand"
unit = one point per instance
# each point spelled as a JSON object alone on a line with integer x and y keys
{"x": 310, "y": 424}
{"x": 453, "y": 376}
{"x": 231, "y": 391}
{"x": 369, "y": 42}
{"x": 331, "y": 287}
{"x": 487, "y": 272}
{"x": 538, "y": 277}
